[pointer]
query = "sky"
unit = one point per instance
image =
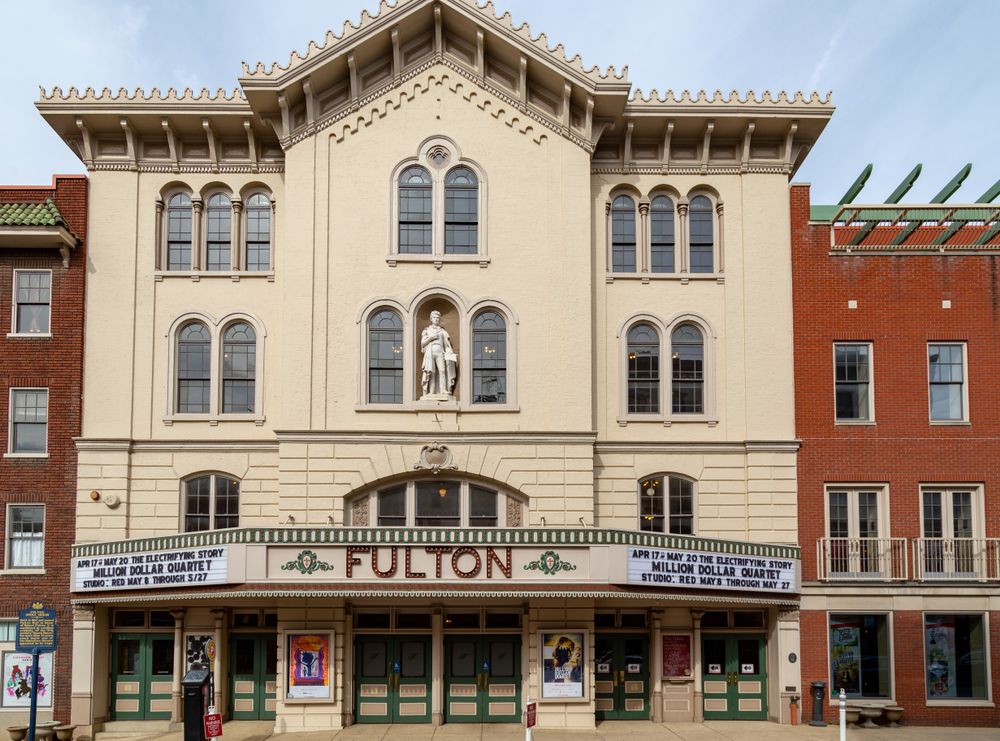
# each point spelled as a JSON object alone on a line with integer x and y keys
{"x": 913, "y": 80}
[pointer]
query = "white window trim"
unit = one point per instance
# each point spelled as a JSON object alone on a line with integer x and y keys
{"x": 408, "y": 315}
{"x": 216, "y": 329}
{"x": 665, "y": 327}
{"x": 503, "y": 495}
{"x": 978, "y": 507}
{"x": 958, "y": 701}
{"x": 10, "y": 422}
{"x": 13, "y": 307}
{"x": 437, "y": 173}
{"x": 26, "y": 570}
{"x": 831, "y": 691}
{"x": 852, "y": 489}
{"x": 871, "y": 386}
{"x": 666, "y": 503}
{"x": 211, "y": 507}
{"x": 965, "y": 382}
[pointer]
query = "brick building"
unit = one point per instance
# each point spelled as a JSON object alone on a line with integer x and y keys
{"x": 42, "y": 268}
{"x": 896, "y": 351}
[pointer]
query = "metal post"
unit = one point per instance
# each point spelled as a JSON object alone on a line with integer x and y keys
{"x": 33, "y": 713}
{"x": 843, "y": 715}
{"x": 527, "y": 727}
{"x": 819, "y": 697}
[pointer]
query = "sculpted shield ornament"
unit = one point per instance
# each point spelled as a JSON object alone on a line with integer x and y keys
{"x": 435, "y": 458}
{"x": 306, "y": 563}
{"x": 549, "y": 563}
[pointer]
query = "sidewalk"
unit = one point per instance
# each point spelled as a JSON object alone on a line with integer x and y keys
{"x": 606, "y": 731}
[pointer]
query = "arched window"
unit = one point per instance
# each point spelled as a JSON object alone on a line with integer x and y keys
{"x": 662, "y": 240}
{"x": 439, "y": 503}
{"x": 643, "y": 370}
{"x": 219, "y": 233}
{"x": 461, "y": 212}
{"x": 687, "y": 348}
{"x": 211, "y": 503}
{"x": 666, "y": 501}
{"x": 258, "y": 232}
{"x": 701, "y": 220}
{"x": 179, "y": 232}
{"x": 623, "y": 235}
{"x": 239, "y": 369}
{"x": 385, "y": 358}
{"x": 415, "y": 208}
{"x": 489, "y": 358}
{"x": 194, "y": 361}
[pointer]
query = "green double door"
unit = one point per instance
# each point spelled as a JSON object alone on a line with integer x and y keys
{"x": 621, "y": 676}
{"x": 253, "y": 676}
{"x": 734, "y": 680}
{"x": 392, "y": 679}
{"x": 142, "y": 674}
{"x": 482, "y": 679}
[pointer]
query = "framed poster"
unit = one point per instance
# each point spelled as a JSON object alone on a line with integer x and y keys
{"x": 677, "y": 656}
{"x": 563, "y": 660}
{"x": 196, "y": 652}
{"x": 309, "y": 658}
{"x": 17, "y": 680}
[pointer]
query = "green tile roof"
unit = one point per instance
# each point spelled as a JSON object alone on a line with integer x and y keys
{"x": 31, "y": 214}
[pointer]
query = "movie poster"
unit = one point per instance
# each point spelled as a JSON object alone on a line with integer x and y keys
{"x": 17, "y": 680}
{"x": 197, "y": 652}
{"x": 309, "y": 658}
{"x": 939, "y": 645}
{"x": 845, "y": 657}
{"x": 563, "y": 656}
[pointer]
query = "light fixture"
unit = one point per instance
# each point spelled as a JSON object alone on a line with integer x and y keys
{"x": 442, "y": 492}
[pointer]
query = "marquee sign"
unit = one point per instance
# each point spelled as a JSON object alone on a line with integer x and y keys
{"x": 152, "y": 570}
{"x": 667, "y": 567}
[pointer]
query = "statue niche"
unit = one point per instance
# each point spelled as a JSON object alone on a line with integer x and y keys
{"x": 438, "y": 341}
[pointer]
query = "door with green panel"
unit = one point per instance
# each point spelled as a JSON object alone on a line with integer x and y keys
{"x": 142, "y": 674}
{"x": 734, "y": 678}
{"x": 482, "y": 679}
{"x": 253, "y": 676}
{"x": 621, "y": 676}
{"x": 392, "y": 679}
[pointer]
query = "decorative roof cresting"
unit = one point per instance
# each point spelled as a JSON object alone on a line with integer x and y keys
{"x": 106, "y": 95}
{"x": 702, "y": 97}
{"x": 262, "y": 72}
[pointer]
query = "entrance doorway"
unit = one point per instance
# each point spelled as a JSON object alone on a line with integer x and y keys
{"x": 734, "y": 681}
{"x": 253, "y": 677}
{"x": 621, "y": 674}
{"x": 392, "y": 679}
{"x": 142, "y": 673}
{"x": 482, "y": 679}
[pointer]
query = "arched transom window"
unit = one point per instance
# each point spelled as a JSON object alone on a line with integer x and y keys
{"x": 211, "y": 502}
{"x": 438, "y": 503}
{"x": 666, "y": 505}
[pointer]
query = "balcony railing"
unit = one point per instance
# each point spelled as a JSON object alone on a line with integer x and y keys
{"x": 862, "y": 559}
{"x": 888, "y": 559}
{"x": 956, "y": 559}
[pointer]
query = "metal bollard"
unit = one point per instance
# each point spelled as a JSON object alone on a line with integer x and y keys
{"x": 819, "y": 697}
{"x": 843, "y": 715}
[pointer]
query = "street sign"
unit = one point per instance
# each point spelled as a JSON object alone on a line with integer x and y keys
{"x": 36, "y": 629}
{"x": 213, "y": 725}
{"x": 530, "y": 714}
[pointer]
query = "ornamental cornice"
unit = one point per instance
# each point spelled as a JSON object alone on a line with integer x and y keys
{"x": 227, "y": 99}
{"x": 691, "y": 170}
{"x": 668, "y": 100}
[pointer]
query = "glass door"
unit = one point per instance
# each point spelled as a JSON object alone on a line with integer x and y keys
{"x": 253, "y": 678}
{"x": 622, "y": 676}
{"x": 392, "y": 679}
{"x": 734, "y": 681}
{"x": 141, "y": 676}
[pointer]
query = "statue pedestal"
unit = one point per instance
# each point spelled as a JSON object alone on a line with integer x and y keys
{"x": 437, "y": 397}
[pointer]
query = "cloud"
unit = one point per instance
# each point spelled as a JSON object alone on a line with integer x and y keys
{"x": 824, "y": 61}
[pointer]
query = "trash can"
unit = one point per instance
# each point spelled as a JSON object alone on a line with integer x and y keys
{"x": 196, "y": 700}
{"x": 819, "y": 697}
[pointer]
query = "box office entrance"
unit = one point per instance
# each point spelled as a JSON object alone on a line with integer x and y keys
{"x": 621, "y": 676}
{"x": 392, "y": 679}
{"x": 482, "y": 679}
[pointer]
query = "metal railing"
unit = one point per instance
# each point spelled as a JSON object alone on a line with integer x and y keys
{"x": 862, "y": 559}
{"x": 956, "y": 559}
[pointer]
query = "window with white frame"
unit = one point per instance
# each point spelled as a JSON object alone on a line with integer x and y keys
{"x": 955, "y": 657}
{"x": 854, "y": 524}
{"x": 860, "y": 655}
{"x": 946, "y": 376}
{"x": 32, "y": 301}
{"x": 29, "y": 421}
{"x": 25, "y": 536}
{"x": 211, "y": 502}
{"x": 441, "y": 503}
{"x": 8, "y": 631}
{"x": 666, "y": 505}
{"x": 951, "y": 525}
{"x": 852, "y": 380}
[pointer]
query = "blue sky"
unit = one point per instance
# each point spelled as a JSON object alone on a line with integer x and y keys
{"x": 913, "y": 80}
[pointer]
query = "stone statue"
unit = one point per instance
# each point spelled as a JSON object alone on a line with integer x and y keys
{"x": 440, "y": 359}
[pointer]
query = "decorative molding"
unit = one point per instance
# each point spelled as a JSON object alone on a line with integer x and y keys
{"x": 307, "y": 562}
{"x": 549, "y": 563}
{"x": 514, "y": 508}
{"x": 450, "y": 438}
{"x": 757, "y": 446}
{"x": 359, "y": 512}
{"x": 435, "y": 458}
{"x": 178, "y": 446}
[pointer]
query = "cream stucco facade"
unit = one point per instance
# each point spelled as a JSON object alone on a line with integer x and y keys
{"x": 552, "y": 145}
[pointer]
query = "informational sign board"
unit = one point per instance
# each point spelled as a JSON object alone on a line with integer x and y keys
{"x": 676, "y": 656}
{"x": 666, "y": 567}
{"x": 36, "y": 629}
{"x": 213, "y": 725}
{"x": 182, "y": 567}
{"x": 530, "y": 714}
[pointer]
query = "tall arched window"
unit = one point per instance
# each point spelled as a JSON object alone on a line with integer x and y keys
{"x": 687, "y": 347}
{"x": 211, "y": 503}
{"x": 179, "y": 232}
{"x": 666, "y": 501}
{"x": 643, "y": 370}
{"x": 416, "y": 230}
{"x": 623, "y": 235}
{"x": 702, "y": 239}
{"x": 258, "y": 232}
{"x": 194, "y": 362}
{"x": 489, "y": 358}
{"x": 461, "y": 212}
{"x": 385, "y": 358}
{"x": 239, "y": 369}
{"x": 662, "y": 240}
{"x": 219, "y": 233}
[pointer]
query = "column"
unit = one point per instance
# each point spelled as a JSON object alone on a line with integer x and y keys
{"x": 219, "y": 665}
{"x": 656, "y": 672}
{"x": 699, "y": 700}
{"x": 720, "y": 240}
{"x": 175, "y": 687}
{"x": 236, "y": 237}
{"x": 681, "y": 238}
{"x": 643, "y": 239}
{"x": 160, "y": 243}
{"x": 348, "y": 683}
{"x": 437, "y": 667}
{"x": 83, "y": 669}
{"x": 197, "y": 206}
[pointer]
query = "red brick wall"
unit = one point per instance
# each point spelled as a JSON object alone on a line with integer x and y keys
{"x": 55, "y": 363}
{"x": 899, "y": 311}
